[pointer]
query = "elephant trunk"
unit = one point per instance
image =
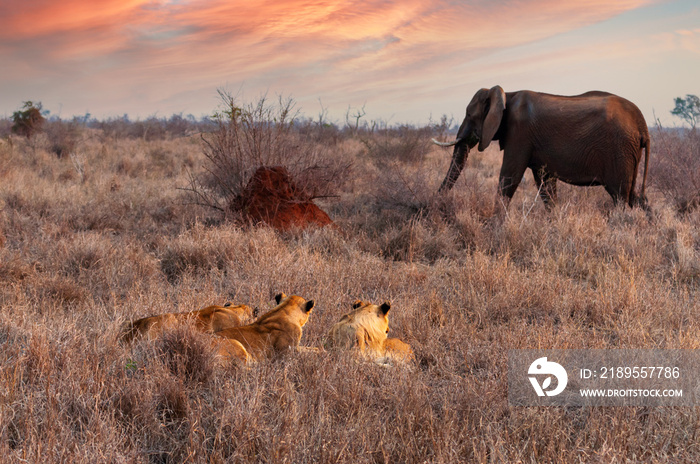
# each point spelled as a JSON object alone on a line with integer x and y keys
{"x": 459, "y": 159}
{"x": 465, "y": 141}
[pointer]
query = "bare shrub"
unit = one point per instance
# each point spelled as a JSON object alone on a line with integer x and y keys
{"x": 261, "y": 134}
{"x": 675, "y": 166}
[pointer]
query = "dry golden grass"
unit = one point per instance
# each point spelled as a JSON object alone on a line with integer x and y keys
{"x": 104, "y": 235}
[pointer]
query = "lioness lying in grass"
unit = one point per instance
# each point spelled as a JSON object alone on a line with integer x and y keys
{"x": 275, "y": 332}
{"x": 208, "y": 320}
{"x": 365, "y": 328}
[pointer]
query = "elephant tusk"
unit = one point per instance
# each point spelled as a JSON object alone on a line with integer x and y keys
{"x": 447, "y": 144}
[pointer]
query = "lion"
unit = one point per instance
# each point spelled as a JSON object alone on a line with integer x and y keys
{"x": 276, "y": 332}
{"x": 366, "y": 328}
{"x": 207, "y": 320}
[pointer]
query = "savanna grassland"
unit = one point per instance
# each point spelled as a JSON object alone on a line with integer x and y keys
{"x": 121, "y": 225}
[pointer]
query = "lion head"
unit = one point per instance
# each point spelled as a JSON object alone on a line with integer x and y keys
{"x": 365, "y": 327}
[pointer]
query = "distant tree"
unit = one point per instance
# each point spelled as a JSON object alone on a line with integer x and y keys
{"x": 688, "y": 109}
{"x": 28, "y": 121}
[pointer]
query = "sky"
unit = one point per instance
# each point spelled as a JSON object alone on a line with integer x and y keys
{"x": 402, "y": 61}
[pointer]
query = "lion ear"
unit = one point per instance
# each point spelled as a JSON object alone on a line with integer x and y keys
{"x": 309, "y": 305}
{"x": 385, "y": 307}
{"x": 356, "y": 304}
{"x": 279, "y": 297}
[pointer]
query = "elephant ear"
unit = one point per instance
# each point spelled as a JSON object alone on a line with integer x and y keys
{"x": 497, "y": 99}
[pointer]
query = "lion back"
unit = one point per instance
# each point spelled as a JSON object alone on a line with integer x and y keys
{"x": 398, "y": 350}
{"x": 223, "y": 317}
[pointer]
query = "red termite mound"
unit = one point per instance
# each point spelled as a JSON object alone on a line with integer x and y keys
{"x": 273, "y": 198}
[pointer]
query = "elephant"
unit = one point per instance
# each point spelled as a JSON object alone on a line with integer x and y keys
{"x": 595, "y": 138}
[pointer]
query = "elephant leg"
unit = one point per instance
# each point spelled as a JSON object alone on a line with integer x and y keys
{"x": 512, "y": 172}
{"x": 619, "y": 192}
{"x": 547, "y": 186}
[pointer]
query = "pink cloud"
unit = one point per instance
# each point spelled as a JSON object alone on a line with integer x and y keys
{"x": 312, "y": 48}
{"x": 26, "y": 19}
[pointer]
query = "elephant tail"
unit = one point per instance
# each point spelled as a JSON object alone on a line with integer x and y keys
{"x": 642, "y": 198}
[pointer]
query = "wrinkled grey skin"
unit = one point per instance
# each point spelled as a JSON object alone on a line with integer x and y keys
{"x": 591, "y": 139}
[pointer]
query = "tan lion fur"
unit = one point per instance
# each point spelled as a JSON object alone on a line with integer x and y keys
{"x": 208, "y": 320}
{"x": 365, "y": 328}
{"x": 397, "y": 350}
{"x": 275, "y": 332}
